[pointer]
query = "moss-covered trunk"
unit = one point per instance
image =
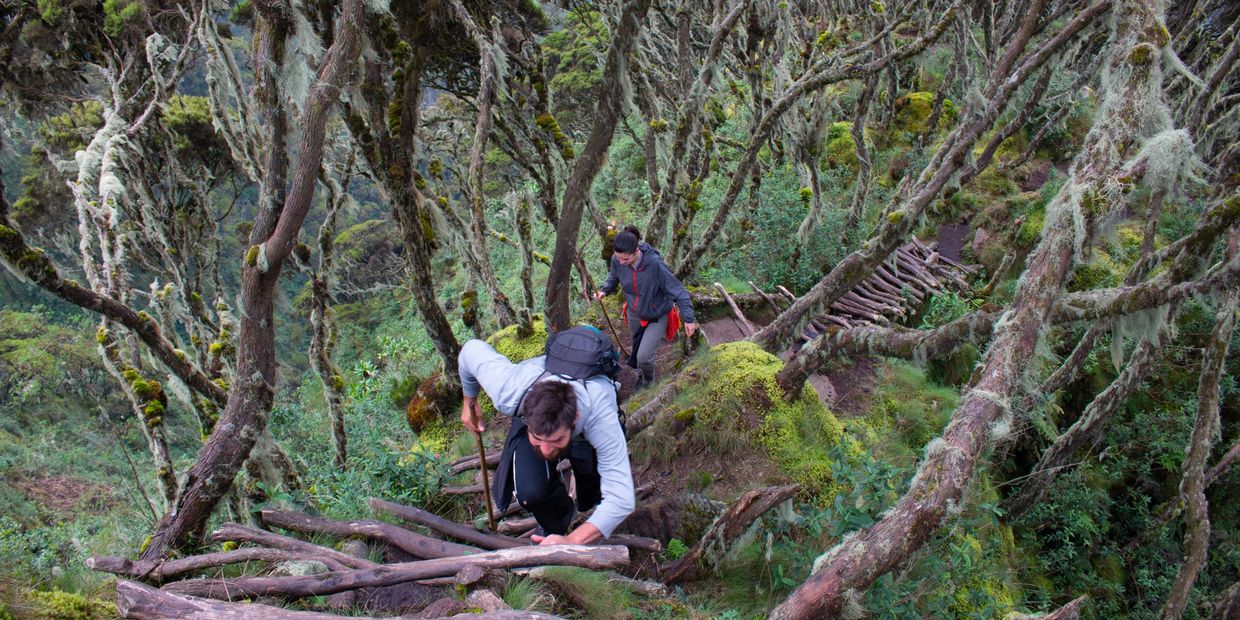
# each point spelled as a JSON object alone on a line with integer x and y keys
{"x": 607, "y": 115}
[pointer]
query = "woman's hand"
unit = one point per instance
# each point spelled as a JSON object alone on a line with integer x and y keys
{"x": 690, "y": 328}
{"x": 599, "y": 295}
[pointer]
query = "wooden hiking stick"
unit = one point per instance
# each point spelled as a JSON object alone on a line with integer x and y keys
{"x": 587, "y": 288}
{"x": 486, "y": 482}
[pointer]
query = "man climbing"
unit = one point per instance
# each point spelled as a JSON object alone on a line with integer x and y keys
{"x": 554, "y": 417}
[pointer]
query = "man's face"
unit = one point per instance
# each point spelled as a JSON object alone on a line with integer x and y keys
{"x": 627, "y": 260}
{"x": 551, "y": 447}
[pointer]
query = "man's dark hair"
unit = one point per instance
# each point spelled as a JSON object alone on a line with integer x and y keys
{"x": 626, "y": 240}
{"x": 549, "y": 407}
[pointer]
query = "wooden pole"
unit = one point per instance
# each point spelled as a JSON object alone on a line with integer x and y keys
{"x": 486, "y": 481}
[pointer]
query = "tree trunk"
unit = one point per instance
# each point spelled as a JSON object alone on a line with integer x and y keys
{"x": 1192, "y": 486}
{"x": 607, "y": 115}
{"x": 245, "y": 416}
{"x": 504, "y": 312}
{"x": 985, "y": 411}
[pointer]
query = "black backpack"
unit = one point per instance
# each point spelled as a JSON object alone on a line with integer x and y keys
{"x": 580, "y": 353}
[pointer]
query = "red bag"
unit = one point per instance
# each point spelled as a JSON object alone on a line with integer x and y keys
{"x": 673, "y": 323}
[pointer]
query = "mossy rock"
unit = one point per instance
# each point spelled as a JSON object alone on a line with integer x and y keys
{"x": 509, "y": 343}
{"x": 434, "y": 399}
{"x": 733, "y": 392}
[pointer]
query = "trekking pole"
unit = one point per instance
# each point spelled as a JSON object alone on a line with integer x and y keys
{"x": 587, "y": 288}
{"x": 486, "y": 482}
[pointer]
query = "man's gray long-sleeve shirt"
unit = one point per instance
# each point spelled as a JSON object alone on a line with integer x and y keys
{"x": 482, "y": 367}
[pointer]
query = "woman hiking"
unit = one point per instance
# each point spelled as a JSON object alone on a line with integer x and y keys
{"x": 655, "y": 301}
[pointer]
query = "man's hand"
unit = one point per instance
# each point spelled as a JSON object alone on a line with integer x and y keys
{"x": 690, "y": 328}
{"x": 599, "y": 295}
{"x": 585, "y": 534}
{"x": 551, "y": 539}
{"x": 471, "y": 414}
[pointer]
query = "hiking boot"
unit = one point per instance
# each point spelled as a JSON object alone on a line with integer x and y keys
{"x": 644, "y": 378}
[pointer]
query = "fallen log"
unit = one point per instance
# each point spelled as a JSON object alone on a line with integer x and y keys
{"x": 464, "y": 533}
{"x": 891, "y": 277}
{"x": 244, "y": 533}
{"x": 516, "y": 526}
{"x": 871, "y": 290}
{"x": 411, "y": 542}
{"x": 465, "y": 464}
{"x": 651, "y": 589}
{"x": 601, "y": 557}
{"x": 142, "y": 602}
{"x": 749, "y": 328}
{"x": 465, "y": 490}
{"x": 160, "y": 571}
{"x": 706, "y": 553}
{"x": 645, "y": 416}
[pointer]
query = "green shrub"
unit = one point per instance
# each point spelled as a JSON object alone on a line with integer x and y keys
{"x": 57, "y": 605}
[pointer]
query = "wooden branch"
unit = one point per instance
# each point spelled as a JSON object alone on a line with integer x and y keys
{"x": 604, "y": 557}
{"x": 161, "y": 571}
{"x": 1227, "y": 604}
{"x": 465, "y": 464}
{"x": 726, "y": 528}
{"x": 645, "y": 416}
{"x": 1205, "y": 428}
{"x": 411, "y": 542}
{"x": 469, "y": 489}
{"x": 244, "y": 533}
{"x": 768, "y": 298}
{"x": 142, "y": 602}
{"x": 652, "y": 589}
{"x": 1071, "y": 611}
{"x": 465, "y": 533}
{"x": 787, "y": 293}
{"x": 749, "y": 328}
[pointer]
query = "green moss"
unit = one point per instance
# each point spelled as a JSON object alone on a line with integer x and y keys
{"x": 737, "y": 393}
{"x": 994, "y": 183}
{"x": 1100, "y": 271}
{"x": 510, "y": 345}
{"x": 251, "y": 256}
{"x": 907, "y": 412}
{"x": 102, "y": 335}
{"x": 228, "y": 545}
{"x": 1142, "y": 53}
{"x": 841, "y": 150}
{"x": 913, "y": 111}
{"x": 1031, "y": 229}
{"x": 153, "y": 409}
{"x": 215, "y": 347}
{"x": 59, "y": 605}
{"x": 337, "y": 383}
